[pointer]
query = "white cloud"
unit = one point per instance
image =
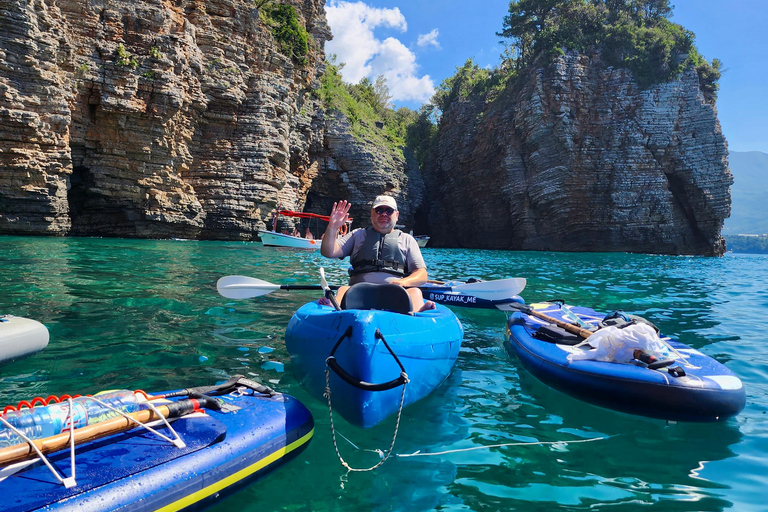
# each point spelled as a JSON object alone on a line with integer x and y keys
{"x": 398, "y": 65}
{"x": 355, "y": 44}
{"x": 428, "y": 39}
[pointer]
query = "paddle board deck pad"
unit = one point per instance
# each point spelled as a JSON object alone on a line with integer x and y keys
{"x": 444, "y": 294}
{"x": 694, "y": 388}
{"x": 138, "y": 471}
{"x": 20, "y": 338}
{"x": 425, "y": 343}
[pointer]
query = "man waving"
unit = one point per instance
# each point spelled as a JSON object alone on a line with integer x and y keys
{"x": 379, "y": 254}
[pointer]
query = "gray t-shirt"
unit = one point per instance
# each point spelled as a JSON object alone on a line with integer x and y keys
{"x": 352, "y": 242}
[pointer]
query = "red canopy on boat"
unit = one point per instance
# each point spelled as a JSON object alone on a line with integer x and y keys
{"x": 305, "y": 215}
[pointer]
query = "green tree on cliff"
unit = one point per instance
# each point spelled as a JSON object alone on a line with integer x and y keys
{"x": 290, "y": 35}
{"x": 635, "y": 34}
{"x": 376, "y": 94}
{"x": 366, "y": 106}
{"x": 461, "y": 85}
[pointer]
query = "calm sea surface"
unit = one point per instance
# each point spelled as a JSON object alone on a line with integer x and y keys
{"x": 145, "y": 314}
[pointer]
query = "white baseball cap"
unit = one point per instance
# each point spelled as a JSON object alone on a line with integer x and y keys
{"x": 385, "y": 201}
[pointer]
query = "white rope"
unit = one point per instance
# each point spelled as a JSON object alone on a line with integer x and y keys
{"x": 534, "y": 443}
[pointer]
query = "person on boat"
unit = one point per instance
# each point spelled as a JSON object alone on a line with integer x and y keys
{"x": 308, "y": 234}
{"x": 402, "y": 262}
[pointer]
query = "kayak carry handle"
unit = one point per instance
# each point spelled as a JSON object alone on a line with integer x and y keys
{"x": 334, "y": 365}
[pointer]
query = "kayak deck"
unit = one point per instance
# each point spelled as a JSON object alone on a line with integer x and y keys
{"x": 425, "y": 343}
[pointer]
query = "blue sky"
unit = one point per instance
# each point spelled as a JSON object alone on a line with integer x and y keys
{"x": 416, "y": 44}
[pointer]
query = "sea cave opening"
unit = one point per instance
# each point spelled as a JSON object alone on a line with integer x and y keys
{"x": 80, "y": 185}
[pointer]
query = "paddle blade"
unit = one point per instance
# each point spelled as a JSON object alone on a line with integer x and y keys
{"x": 242, "y": 287}
{"x": 493, "y": 290}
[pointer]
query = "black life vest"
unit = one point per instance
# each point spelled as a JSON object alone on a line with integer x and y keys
{"x": 379, "y": 254}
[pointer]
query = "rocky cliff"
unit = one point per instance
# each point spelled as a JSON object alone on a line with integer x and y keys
{"x": 579, "y": 158}
{"x": 170, "y": 118}
{"x": 182, "y": 118}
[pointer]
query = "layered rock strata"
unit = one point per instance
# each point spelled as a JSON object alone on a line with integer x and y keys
{"x": 166, "y": 119}
{"x": 182, "y": 119}
{"x": 579, "y": 158}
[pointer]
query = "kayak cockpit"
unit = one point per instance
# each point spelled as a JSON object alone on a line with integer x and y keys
{"x": 382, "y": 297}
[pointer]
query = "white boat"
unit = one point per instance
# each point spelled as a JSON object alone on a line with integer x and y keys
{"x": 20, "y": 338}
{"x": 273, "y": 239}
{"x": 422, "y": 240}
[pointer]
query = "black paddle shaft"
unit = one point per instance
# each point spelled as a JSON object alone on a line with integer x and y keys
{"x": 225, "y": 387}
{"x": 290, "y": 287}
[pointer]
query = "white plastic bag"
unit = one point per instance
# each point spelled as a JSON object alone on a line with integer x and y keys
{"x": 618, "y": 345}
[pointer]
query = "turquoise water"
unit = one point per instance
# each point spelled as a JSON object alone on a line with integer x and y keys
{"x": 145, "y": 314}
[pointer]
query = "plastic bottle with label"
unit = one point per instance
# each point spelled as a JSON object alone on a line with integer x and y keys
{"x": 41, "y": 422}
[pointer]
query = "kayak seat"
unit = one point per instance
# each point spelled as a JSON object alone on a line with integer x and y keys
{"x": 384, "y": 297}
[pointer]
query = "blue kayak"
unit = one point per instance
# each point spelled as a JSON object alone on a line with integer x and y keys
{"x": 370, "y": 350}
{"x": 694, "y": 387}
{"x": 138, "y": 471}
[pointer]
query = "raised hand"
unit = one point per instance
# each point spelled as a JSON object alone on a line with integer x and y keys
{"x": 339, "y": 215}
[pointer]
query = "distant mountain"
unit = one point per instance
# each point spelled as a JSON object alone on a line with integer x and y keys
{"x": 749, "y": 194}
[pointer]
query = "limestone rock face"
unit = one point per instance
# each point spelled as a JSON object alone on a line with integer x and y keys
{"x": 181, "y": 118}
{"x": 165, "y": 119}
{"x": 359, "y": 170}
{"x": 581, "y": 159}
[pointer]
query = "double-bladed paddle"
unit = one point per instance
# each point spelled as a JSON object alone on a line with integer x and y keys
{"x": 242, "y": 287}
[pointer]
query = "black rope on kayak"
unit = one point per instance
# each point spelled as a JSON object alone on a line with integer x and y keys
{"x": 366, "y": 386}
{"x": 402, "y": 379}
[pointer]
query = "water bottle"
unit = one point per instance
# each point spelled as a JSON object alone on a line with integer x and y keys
{"x": 53, "y": 419}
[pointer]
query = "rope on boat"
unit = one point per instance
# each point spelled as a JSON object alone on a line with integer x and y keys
{"x": 403, "y": 377}
{"x": 384, "y": 456}
{"x": 502, "y": 445}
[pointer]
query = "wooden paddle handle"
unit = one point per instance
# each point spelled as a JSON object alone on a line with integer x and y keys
{"x": 23, "y": 451}
{"x": 584, "y": 333}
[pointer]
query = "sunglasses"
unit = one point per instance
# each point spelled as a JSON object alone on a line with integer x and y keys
{"x": 385, "y": 210}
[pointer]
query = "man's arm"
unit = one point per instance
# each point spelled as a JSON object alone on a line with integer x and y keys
{"x": 417, "y": 278}
{"x": 330, "y": 248}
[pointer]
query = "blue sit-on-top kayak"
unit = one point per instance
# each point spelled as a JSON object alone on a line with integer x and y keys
{"x": 236, "y": 438}
{"x": 688, "y": 386}
{"x": 369, "y": 349}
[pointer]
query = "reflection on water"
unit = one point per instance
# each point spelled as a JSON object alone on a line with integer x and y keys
{"x": 145, "y": 314}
